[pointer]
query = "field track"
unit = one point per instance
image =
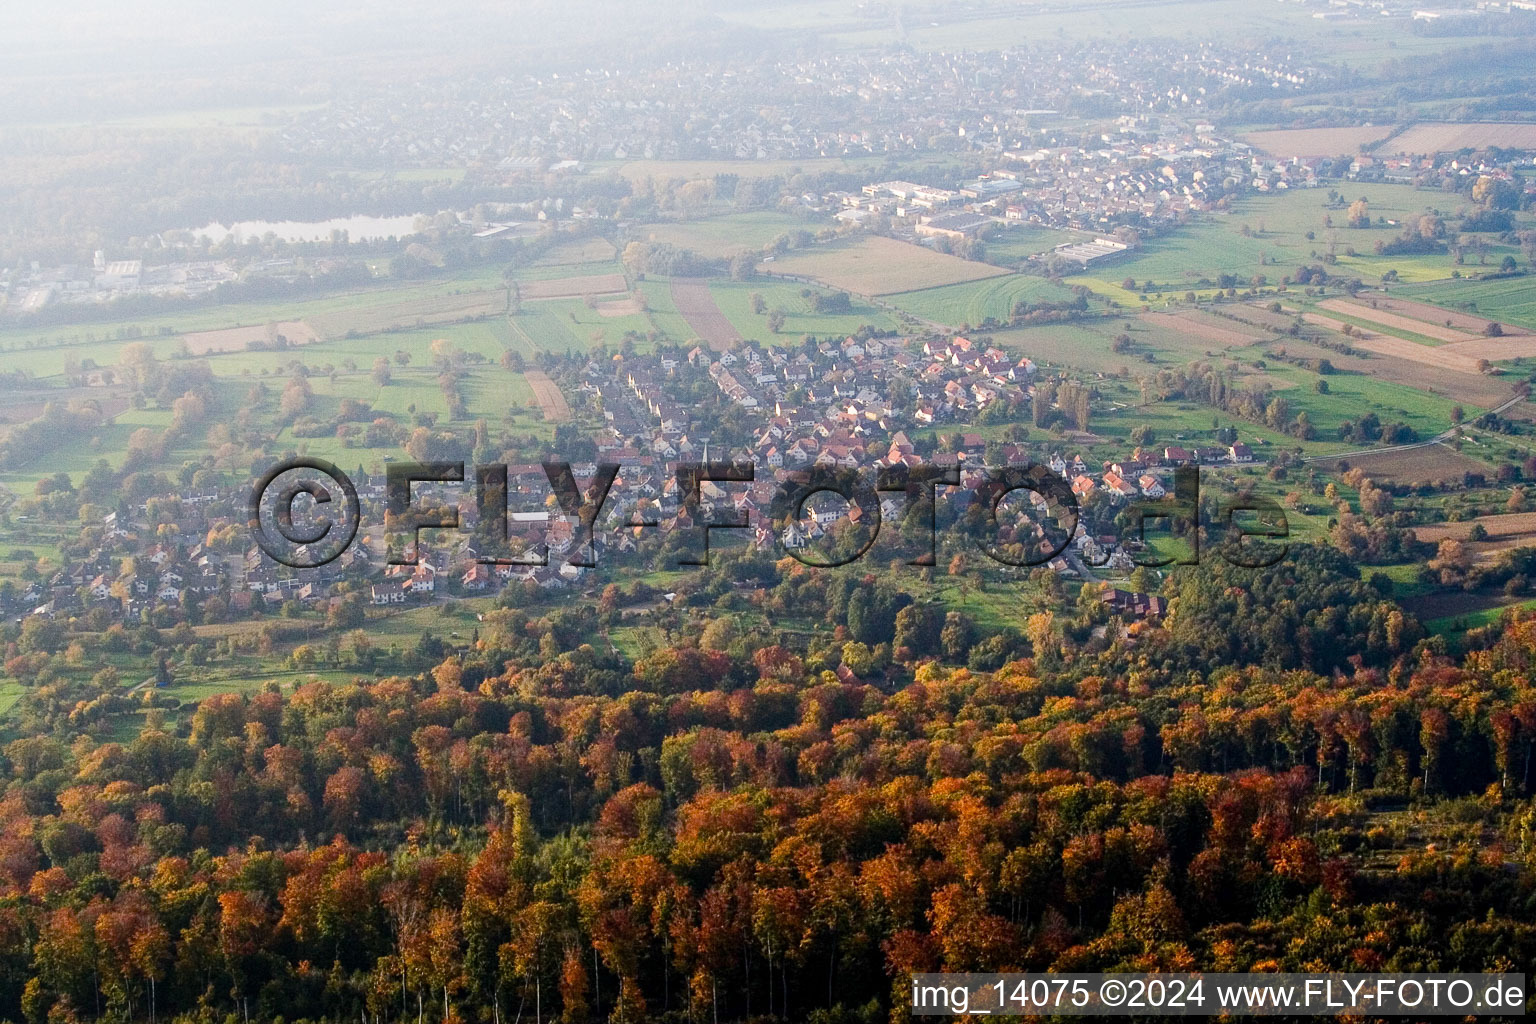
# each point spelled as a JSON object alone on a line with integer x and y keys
{"x": 692, "y": 297}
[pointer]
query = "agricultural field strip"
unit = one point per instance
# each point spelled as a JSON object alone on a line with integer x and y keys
{"x": 415, "y": 313}
{"x": 1427, "y": 137}
{"x": 235, "y": 339}
{"x": 1361, "y": 311}
{"x": 1473, "y": 390}
{"x": 1463, "y": 349}
{"x": 1428, "y": 313}
{"x": 1423, "y": 463}
{"x": 1511, "y": 526}
{"x": 1196, "y": 325}
{"x": 694, "y": 301}
{"x": 1505, "y": 299}
{"x": 1399, "y": 348}
{"x": 1317, "y": 142}
{"x": 547, "y": 392}
{"x": 573, "y": 287}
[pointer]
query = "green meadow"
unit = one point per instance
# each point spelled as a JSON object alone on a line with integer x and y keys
{"x": 1275, "y": 242}
{"x": 734, "y": 298}
{"x": 958, "y": 305}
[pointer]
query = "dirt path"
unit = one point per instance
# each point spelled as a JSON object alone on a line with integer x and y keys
{"x": 693, "y": 300}
{"x": 548, "y": 394}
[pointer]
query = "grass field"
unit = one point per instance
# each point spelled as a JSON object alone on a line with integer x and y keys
{"x": 959, "y": 305}
{"x": 1422, "y": 139}
{"x": 1018, "y": 242}
{"x": 1084, "y": 346}
{"x": 576, "y": 286}
{"x": 42, "y": 351}
{"x": 735, "y": 300}
{"x": 725, "y": 235}
{"x": 1350, "y": 397}
{"x": 108, "y": 442}
{"x": 873, "y": 265}
{"x": 342, "y": 369}
{"x": 663, "y": 313}
{"x": 1276, "y": 243}
{"x": 1088, "y": 345}
{"x": 1454, "y": 625}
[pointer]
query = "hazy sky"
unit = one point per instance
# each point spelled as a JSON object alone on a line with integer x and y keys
{"x": 85, "y": 36}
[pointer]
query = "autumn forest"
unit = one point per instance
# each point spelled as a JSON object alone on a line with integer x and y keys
{"x": 725, "y": 830}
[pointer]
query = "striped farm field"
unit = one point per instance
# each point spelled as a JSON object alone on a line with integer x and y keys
{"x": 1440, "y": 357}
{"x": 1393, "y": 321}
{"x": 1468, "y": 322}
